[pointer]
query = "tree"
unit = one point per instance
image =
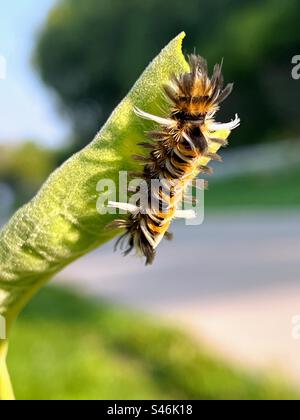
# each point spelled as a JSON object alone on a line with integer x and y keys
{"x": 91, "y": 52}
{"x": 24, "y": 167}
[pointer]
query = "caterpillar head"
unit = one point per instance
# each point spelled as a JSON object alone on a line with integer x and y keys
{"x": 194, "y": 94}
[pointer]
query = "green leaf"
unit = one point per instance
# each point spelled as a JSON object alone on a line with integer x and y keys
{"x": 62, "y": 223}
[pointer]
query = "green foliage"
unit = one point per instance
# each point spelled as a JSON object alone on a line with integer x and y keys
{"x": 27, "y": 163}
{"x": 275, "y": 189}
{"x": 97, "y": 351}
{"x": 25, "y": 167}
{"x": 90, "y": 52}
{"x": 258, "y": 42}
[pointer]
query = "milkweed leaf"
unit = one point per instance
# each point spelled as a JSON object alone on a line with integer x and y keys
{"x": 61, "y": 223}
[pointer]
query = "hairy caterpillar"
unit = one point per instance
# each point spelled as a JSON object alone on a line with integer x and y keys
{"x": 180, "y": 149}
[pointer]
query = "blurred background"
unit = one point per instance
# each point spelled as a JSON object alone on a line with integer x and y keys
{"x": 218, "y": 322}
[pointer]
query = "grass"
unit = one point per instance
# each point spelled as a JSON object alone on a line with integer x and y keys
{"x": 66, "y": 347}
{"x": 269, "y": 190}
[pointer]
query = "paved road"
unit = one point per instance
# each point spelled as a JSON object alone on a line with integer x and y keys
{"x": 234, "y": 281}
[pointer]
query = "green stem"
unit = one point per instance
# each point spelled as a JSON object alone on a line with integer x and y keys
{"x": 6, "y": 390}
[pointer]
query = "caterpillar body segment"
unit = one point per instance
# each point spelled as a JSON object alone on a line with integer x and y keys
{"x": 180, "y": 148}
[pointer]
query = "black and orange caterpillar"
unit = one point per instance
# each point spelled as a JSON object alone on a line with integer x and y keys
{"x": 179, "y": 151}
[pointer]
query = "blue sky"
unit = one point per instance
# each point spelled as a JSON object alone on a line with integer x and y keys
{"x": 27, "y": 109}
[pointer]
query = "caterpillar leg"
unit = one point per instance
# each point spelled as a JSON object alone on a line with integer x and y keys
{"x": 137, "y": 235}
{"x": 134, "y": 238}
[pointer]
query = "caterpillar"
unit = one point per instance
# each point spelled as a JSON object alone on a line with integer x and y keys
{"x": 180, "y": 147}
